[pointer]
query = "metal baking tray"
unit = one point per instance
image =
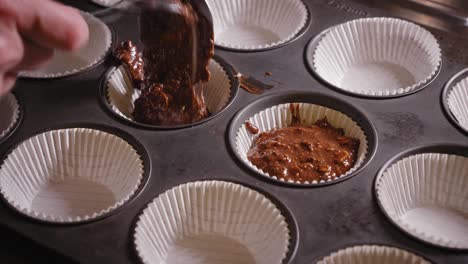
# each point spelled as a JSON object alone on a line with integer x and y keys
{"x": 328, "y": 218}
{"x": 448, "y": 15}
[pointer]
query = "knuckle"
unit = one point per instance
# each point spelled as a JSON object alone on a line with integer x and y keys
{"x": 11, "y": 49}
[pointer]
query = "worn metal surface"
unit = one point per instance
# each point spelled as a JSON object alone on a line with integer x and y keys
{"x": 328, "y": 218}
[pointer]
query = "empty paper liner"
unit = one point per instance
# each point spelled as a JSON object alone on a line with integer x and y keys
{"x": 256, "y": 24}
{"x": 377, "y": 57}
{"x": 70, "y": 175}
{"x": 120, "y": 95}
{"x": 107, "y": 3}
{"x": 372, "y": 254}
{"x": 280, "y": 116}
{"x": 458, "y": 102}
{"x": 212, "y": 222}
{"x": 9, "y": 114}
{"x": 65, "y": 63}
{"x": 426, "y": 196}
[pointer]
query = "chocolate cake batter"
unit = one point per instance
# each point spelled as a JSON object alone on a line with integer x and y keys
{"x": 251, "y": 128}
{"x": 129, "y": 55}
{"x": 177, "y": 48}
{"x": 304, "y": 153}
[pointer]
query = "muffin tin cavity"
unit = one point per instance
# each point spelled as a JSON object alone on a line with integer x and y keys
{"x": 212, "y": 222}
{"x": 72, "y": 175}
{"x": 375, "y": 57}
{"x": 118, "y": 94}
{"x": 257, "y": 24}
{"x": 428, "y": 183}
{"x": 455, "y": 100}
{"x": 273, "y": 111}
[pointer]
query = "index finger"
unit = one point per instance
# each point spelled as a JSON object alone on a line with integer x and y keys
{"x": 47, "y": 23}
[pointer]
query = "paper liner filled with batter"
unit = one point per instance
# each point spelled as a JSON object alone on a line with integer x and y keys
{"x": 280, "y": 116}
{"x": 121, "y": 94}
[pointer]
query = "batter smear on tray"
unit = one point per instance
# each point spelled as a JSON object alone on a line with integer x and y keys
{"x": 177, "y": 48}
{"x": 304, "y": 153}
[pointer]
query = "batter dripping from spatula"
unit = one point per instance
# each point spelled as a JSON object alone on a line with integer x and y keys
{"x": 178, "y": 44}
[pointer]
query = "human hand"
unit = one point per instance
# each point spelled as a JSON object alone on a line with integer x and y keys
{"x": 30, "y": 30}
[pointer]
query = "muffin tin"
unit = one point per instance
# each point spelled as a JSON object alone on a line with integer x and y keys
{"x": 321, "y": 220}
{"x": 11, "y": 115}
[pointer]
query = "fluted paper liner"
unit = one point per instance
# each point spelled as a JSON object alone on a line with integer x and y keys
{"x": 280, "y": 116}
{"x": 107, "y": 3}
{"x": 121, "y": 95}
{"x": 70, "y": 175}
{"x": 426, "y": 196}
{"x": 9, "y": 114}
{"x": 256, "y": 24}
{"x": 377, "y": 57}
{"x": 458, "y": 102}
{"x": 372, "y": 254}
{"x": 212, "y": 222}
{"x": 65, "y": 63}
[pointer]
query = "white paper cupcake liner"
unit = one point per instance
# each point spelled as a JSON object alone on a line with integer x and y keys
{"x": 256, "y": 24}
{"x": 121, "y": 95}
{"x": 9, "y": 114}
{"x": 457, "y": 101}
{"x": 426, "y": 196}
{"x": 65, "y": 63}
{"x": 106, "y": 3}
{"x": 70, "y": 175}
{"x": 280, "y": 116}
{"x": 212, "y": 222}
{"x": 372, "y": 254}
{"x": 377, "y": 57}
